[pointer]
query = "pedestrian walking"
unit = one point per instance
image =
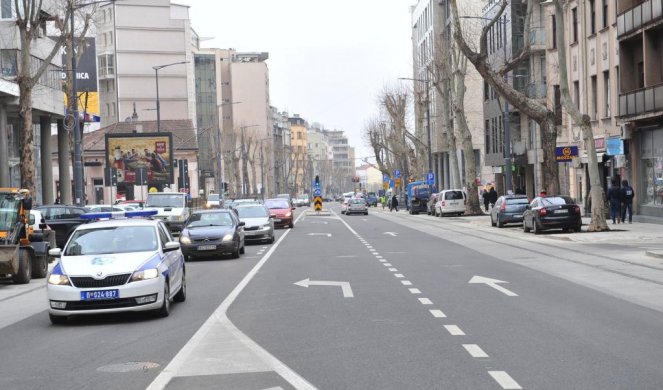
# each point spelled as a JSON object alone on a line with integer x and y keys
{"x": 394, "y": 204}
{"x": 627, "y": 201}
{"x": 615, "y": 200}
{"x": 493, "y": 197}
{"x": 486, "y": 199}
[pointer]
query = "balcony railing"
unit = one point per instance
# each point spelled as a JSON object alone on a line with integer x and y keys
{"x": 536, "y": 90}
{"x": 537, "y": 38}
{"x": 641, "y": 101}
{"x": 639, "y": 16}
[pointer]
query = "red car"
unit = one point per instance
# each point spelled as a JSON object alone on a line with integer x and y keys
{"x": 281, "y": 211}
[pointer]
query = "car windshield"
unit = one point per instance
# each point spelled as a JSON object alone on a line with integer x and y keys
{"x": 252, "y": 212}
{"x": 451, "y": 195}
{"x": 165, "y": 200}
{"x": 358, "y": 201}
{"x": 120, "y": 239}
{"x": 213, "y": 197}
{"x": 517, "y": 201}
{"x": 210, "y": 219}
{"x": 277, "y": 204}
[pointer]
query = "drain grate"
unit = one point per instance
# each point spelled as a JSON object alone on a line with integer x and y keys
{"x": 128, "y": 367}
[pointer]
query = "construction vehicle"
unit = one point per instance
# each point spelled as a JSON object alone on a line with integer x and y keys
{"x": 23, "y": 252}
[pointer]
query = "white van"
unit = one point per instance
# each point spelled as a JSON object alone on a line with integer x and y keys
{"x": 450, "y": 202}
{"x": 171, "y": 206}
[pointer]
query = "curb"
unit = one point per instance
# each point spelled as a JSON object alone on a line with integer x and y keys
{"x": 657, "y": 254}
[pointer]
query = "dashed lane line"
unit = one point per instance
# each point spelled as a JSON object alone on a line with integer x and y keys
{"x": 437, "y": 313}
{"x": 505, "y": 380}
{"x": 425, "y": 301}
{"x": 454, "y": 330}
{"x": 475, "y": 351}
{"x": 387, "y": 264}
{"x": 415, "y": 291}
{"x": 399, "y": 275}
{"x": 406, "y": 283}
{"x": 393, "y": 270}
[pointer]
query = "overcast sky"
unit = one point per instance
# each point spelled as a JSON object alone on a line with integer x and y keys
{"x": 328, "y": 60}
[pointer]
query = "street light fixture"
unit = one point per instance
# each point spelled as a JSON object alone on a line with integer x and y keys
{"x": 428, "y": 130}
{"x": 78, "y": 153}
{"x": 156, "y": 75}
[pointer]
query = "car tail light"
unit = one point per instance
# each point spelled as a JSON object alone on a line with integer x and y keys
{"x": 503, "y": 207}
{"x": 543, "y": 212}
{"x": 576, "y": 209}
{"x": 443, "y": 203}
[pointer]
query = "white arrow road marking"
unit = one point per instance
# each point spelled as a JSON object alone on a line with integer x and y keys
{"x": 320, "y": 234}
{"x": 492, "y": 283}
{"x": 345, "y": 286}
{"x": 390, "y": 233}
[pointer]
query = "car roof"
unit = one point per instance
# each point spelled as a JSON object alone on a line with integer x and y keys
{"x": 119, "y": 222}
{"x": 215, "y": 211}
{"x": 245, "y": 206}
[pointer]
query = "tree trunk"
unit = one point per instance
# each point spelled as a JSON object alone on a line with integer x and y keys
{"x": 27, "y": 138}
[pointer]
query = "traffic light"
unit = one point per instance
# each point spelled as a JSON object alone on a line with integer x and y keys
{"x": 317, "y": 181}
{"x": 224, "y": 185}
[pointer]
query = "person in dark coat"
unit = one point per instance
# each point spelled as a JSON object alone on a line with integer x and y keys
{"x": 627, "y": 201}
{"x": 493, "y": 197}
{"x": 486, "y": 199}
{"x": 615, "y": 200}
{"x": 394, "y": 203}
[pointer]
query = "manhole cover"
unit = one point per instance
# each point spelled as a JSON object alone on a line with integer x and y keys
{"x": 128, "y": 367}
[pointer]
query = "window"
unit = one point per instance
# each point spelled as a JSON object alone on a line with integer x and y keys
{"x": 576, "y": 94}
{"x": 574, "y": 25}
{"x": 486, "y": 91}
{"x": 605, "y": 14}
{"x": 7, "y": 9}
{"x": 606, "y": 94}
{"x": 641, "y": 74}
{"x": 486, "y": 130}
{"x": 594, "y": 108}
{"x": 106, "y": 65}
{"x": 554, "y": 32}
{"x": 592, "y": 17}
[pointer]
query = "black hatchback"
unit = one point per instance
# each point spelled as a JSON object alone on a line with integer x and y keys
{"x": 508, "y": 209}
{"x": 552, "y": 212}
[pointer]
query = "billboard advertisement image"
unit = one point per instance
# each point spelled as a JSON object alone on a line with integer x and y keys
{"x": 129, "y": 152}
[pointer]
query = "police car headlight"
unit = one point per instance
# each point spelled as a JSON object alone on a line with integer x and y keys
{"x": 228, "y": 237}
{"x": 185, "y": 240}
{"x": 288, "y": 215}
{"x": 59, "y": 280}
{"x": 145, "y": 274}
{"x": 266, "y": 226}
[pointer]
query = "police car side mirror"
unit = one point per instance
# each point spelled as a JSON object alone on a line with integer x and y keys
{"x": 242, "y": 223}
{"x": 171, "y": 246}
{"x": 55, "y": 252}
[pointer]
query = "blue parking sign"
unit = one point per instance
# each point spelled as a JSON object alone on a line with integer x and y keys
{"x": 430, "y": 178}
{"x": 385, "y": 177}
{"x": 397, "y": 174}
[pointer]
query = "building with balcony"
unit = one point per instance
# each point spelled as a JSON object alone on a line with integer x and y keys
{"x": 320, "y": 154}
{"x": 343, "y": 161}
{"x": 640, "y": 109}
{"x": 281, "y": 169}
{"x": 299, "y": 155}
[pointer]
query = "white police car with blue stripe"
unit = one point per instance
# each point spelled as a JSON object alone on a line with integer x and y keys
{"x": 122, "y": 263}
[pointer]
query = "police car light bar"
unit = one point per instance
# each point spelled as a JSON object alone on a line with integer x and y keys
{"x": 120, "y": 214}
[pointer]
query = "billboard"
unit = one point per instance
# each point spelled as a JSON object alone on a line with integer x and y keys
{"x": 130, "y": 152}
{"x": 86, "y": 79}
{"x": 565, "y": 153}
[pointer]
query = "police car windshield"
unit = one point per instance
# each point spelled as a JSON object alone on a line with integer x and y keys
{"x": 210, "y": 219}
{"x": 165, "y": 201}
{"x": 119, "y": 239}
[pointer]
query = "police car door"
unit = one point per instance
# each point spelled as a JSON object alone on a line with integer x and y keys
{"x": 172, "y": 259}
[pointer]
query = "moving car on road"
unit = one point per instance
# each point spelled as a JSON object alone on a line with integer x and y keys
{"x": 213, "y": 201}
{"x": 372, "y": 199}
{"x": 130, "y": 264}
{"x": 258, "y": 223}
{"x": 552, "y": 212}
{"x": 508, "y": 209}
{"x": 210, "y": 233}
{"x": 281, "y": 211}
{"x": 357, "y": 206}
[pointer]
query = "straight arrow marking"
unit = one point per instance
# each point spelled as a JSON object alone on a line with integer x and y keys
{"x": 493, "y": 283}
{"x": 345, "y": 286}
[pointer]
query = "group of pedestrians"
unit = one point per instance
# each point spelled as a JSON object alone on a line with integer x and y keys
{"x": 621, "y": 201}
{"x": 489, "y": 198}
{"x": 391, "y": 202}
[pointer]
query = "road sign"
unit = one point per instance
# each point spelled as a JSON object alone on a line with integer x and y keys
{"x": 385, "y": 185}
{"x": 397, "y": 181}
{"x": 317, "y": 201}
{"x": 397, "y": 174}
{"x": 430, "y": 178}
{"x": 391, "y": 183}
{"x": 317, "y": 192}
{"x": 385, "y": 178}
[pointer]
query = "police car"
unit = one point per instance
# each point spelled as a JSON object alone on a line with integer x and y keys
{"x": 121, "y": 263}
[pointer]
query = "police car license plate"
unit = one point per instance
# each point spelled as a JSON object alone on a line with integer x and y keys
{"x": 207, "y": 247}
{"x": 102, "y": 294}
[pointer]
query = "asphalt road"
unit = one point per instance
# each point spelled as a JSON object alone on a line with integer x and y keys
{"x": 383, "y": 301}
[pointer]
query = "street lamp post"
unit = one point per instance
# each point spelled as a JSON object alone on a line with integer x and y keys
{"x": 156, "y": 76}
{"x": 428, "y": 128}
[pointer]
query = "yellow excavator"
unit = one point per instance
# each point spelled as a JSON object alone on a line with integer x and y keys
{"x": 23, "y": 252}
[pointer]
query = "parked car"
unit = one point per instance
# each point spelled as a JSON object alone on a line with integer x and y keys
{"x": 552, "y": 212}
{"x": 508, "y": 209}
{"x": 281, "y": 210}
{"x": 210, "y": 233}
{"x": 63, "y": 220}
{"x": 106, "y": 208}
{"x": 357, "y": 206}
{"x": 259, "y": 224}
{"x": 450, "y": 202}
{"x": 136, "y": 204}
{"x": 128, "y": 264}
{"x": 430, "y": 207}
{"x": 372, "y": 199}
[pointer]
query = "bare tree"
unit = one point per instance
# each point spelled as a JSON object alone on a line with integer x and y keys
{"x": 395, "y": 102}
{"x": 598, "y": 221}
{"x": 31, "y": 20}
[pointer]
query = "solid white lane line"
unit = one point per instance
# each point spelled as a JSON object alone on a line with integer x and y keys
{"x": 406, "y": 283}
{"x": 393, "y": 270}
{"x": 415, "y": 291}
{"x": 475, "y": 351}
{"x": 438, "y": 313}
{"x": 425, "y": 301}
{"x": 454, "y": 330}
{"x": 505, "y": 380}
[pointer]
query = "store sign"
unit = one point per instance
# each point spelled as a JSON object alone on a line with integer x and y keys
{"x": 565, "y": 153}
{"x": 599, "y": 144}
{"x": 615, "y": 146}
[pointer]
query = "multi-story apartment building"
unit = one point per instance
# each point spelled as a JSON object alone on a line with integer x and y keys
{"x": 343, "y": 161}
{"x": 281, "y": 169}
{"x": 299, "y": 155}
{"x": 138, "y": 43}
{"x": 640, "y": 109}
{"x": 320, "y": 155}
{"x": 431, "y": 37}
{"x": 47, "y": 106}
